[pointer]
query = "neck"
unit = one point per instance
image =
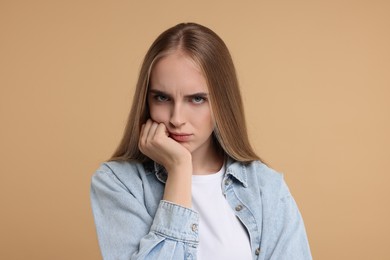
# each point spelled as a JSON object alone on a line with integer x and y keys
{"x": 207, "y": 162}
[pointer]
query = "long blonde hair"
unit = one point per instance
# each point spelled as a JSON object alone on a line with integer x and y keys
{"x": 211, "y": 54}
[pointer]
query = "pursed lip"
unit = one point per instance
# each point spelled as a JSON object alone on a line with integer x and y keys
{"x": 180, "y": 137}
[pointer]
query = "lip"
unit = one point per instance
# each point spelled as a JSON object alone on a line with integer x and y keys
{"x": 180, "y": 137}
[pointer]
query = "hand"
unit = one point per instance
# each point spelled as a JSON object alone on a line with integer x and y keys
{"x": 157, "y": 145}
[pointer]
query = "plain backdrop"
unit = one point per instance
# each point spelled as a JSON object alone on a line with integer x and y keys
{"x": 316, "y": 86}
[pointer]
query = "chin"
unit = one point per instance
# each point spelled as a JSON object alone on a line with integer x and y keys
{"x": 188, "y": 147}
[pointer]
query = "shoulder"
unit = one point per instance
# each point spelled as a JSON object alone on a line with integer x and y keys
{"x": 274, "y": 192}
{"x": 269, "y": 179}
{"x": 119, "y": 167}
{"x": 254, "y": 170}
{"x": 120, "y": 173}
{"x": 261, "y": 177}
{"x": 263, "y": 173}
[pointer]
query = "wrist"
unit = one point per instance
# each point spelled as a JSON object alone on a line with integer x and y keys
{"x": 181, "y": 166}
{"x": 178, "y": 185}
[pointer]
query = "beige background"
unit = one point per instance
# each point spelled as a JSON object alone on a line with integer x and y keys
{"x": 315, "y": 80}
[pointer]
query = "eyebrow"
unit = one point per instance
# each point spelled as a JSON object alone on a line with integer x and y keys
{"x": 159, "y": 92}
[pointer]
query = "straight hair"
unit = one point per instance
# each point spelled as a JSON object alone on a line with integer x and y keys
{"x": 212, "y": 56}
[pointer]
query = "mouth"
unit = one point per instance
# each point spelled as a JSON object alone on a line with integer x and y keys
{"x": 180, "y": 137}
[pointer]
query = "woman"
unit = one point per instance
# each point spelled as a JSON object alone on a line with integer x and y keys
{"x": 184, "y": 182}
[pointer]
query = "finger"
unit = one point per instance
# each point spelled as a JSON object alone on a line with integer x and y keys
{"x": 144, "y": 131}
{"x": 146, "y": 128}
{"x": 161, "y": 130}
{"x": 142, "y": 137}
{"x": 152, "y": 131}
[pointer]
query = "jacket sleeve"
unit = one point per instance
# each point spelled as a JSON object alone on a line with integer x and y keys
{"x": 126, "y": 230}
{"x": 289, "y": 234}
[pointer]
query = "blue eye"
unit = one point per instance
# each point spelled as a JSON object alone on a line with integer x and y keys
{"x": 198, "y": 100}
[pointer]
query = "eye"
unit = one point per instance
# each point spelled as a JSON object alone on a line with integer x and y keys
{"x": 160, "y": 98}
{"x": 198, "y": 100}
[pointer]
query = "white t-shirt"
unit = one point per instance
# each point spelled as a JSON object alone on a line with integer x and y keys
{"x": 221, "y": 234}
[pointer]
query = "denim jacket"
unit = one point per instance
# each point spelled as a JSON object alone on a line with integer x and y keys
{"x": 133, "y": 222}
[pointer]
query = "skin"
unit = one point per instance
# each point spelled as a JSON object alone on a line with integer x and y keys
{"x": 179, "y": 133}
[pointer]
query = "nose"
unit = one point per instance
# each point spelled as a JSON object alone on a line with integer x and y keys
{"x": 177, "y": 116}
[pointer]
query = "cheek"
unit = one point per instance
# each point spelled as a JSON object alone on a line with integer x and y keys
{"x": 204, "y": 118}
{"x": 158, "y": 114}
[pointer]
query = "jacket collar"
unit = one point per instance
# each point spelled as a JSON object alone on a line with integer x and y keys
{"x": 237, "y": 170}
{"x": 233, "y": 168}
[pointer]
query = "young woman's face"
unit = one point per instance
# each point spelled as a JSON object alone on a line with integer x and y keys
{"x": 178, "y": 97}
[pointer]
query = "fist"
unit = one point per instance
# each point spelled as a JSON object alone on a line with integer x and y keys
{"x": 157, "y": 145}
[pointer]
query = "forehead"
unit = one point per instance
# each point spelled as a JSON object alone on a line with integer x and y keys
{"x": 177, "y": 72}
